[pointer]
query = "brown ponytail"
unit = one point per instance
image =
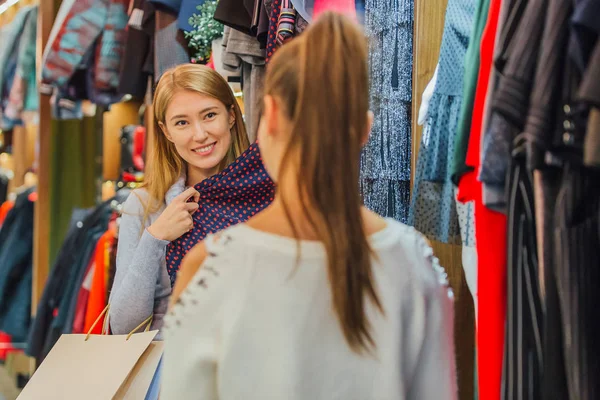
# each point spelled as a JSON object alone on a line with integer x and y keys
{"x": 322, "y": 80}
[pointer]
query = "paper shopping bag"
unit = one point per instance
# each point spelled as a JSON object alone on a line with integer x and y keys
{"x": 140, "y": 379}
{"x": 92, "y": 367}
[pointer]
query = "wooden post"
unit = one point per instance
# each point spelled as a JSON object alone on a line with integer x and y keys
{"x": 41, "y": 238}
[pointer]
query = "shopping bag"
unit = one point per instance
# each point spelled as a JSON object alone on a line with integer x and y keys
{"x": 97, "y": 367}
{"x": 154, "y": 390}
{"x": 139, "y": 381}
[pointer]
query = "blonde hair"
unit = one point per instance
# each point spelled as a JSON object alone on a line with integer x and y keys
{"x": 327, "y": 104}
{"x": 164, "y": 164}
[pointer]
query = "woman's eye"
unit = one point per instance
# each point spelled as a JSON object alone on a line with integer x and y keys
{"x": 180, "y": 123}
{"x": 210, "y": 115}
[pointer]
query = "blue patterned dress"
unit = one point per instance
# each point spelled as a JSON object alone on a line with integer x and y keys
{"x": 434, "y": 210}
{"x": 385, "y": 161}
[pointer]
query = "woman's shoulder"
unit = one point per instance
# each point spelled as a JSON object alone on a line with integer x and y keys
{"x": 136, "y": 202}
{"x": 412, "y": 247}
{"x": 136, "y": 205}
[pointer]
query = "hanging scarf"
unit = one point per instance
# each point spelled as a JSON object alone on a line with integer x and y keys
{"x": 236, "y": 194}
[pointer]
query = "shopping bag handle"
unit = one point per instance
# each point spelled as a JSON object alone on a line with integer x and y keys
{"x": 147, "y": 323}
{"x": 98, "y": 320}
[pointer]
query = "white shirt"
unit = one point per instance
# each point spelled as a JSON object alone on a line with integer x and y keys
{"x": 254, "y": 325}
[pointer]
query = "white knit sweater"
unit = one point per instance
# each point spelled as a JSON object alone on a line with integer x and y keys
{"x": 252, "y": 326}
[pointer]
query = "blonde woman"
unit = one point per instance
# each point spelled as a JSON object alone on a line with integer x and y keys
{"x": 199, "y": 131}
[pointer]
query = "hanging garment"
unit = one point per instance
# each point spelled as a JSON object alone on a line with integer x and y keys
{"x": 490, "y": 234}
{"x": 433, "y": 210}
{"x": 274, "y": 10}
{"x": 186, "y": 11}
{"x": 242, "y": 54}
{"x": 239, "y": 192}
{"x": 386, "y": 158}
{"x": 11, "y": 35}
{"x": 55, "y": 311}
{"x": 237, "y": 14}
{"x": 592, "y": 139}
{"x": 4, "y": 209}
{"x": 81, "y": 26}
{"x": 426, "y": 98}
{"x": 546, "y": 187}
{"x": 23, "y": 92}
{"x": 461, "y": 142}
{"x": 589, "y": 93}
{"x": 170, "y": 46}
{"x": 4, "y": 182}
{"x": 311, "y": 9}
{"x": 578, "y": 278}
{"x": 83, "y": 297}
{"x": 16, "y": 271}
{"x": 98, "y": 289}
{"x": 15, "y": 66}
{"x": 523, "y": 359}
{"x": 138, "y": 58}
{"x": 511, "y": 99}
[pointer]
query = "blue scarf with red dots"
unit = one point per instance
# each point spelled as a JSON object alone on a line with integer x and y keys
{"x": 236, "y": 194}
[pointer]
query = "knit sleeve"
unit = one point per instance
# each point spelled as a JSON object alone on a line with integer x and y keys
{"x": 140, "y": 257}
{"x": 193, "y": 328}
{"x": 431, "y": 332}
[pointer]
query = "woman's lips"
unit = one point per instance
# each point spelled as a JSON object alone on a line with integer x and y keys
{"x": 204, "y": 150}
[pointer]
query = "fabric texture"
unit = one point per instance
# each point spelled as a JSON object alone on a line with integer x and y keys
{"x": 242, "y": 53}
{"x": 433, "y": 210}
{"x": 523, "y": 361}
{"x": 236, "y": 194}
{"x": 490, "y": 235}
{"x": 170, "y": 46}
{"x": 138, "y": 61}
{"x": 461, "y": 143}
{"x": 83, "y": 28}
{"x": 511, "y": 99}
{"x": 16, "y": 270}
{"x": 385, "y": 170}
{"x": 23, "y": 88}
{"x": 228, "y": 315}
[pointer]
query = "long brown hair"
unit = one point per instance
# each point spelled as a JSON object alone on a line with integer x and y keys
{"x": 165, "y": 165}
{"x": 322, "y": 80}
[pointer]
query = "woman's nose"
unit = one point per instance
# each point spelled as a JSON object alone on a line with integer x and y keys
{"x": 199, "y": 132}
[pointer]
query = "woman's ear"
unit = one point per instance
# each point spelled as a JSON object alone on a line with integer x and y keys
{"x": 231, "y": 117}
{"x": 165, "y": 132}
{"x": 270, "y": 114}
{"x": 367, "y": 133}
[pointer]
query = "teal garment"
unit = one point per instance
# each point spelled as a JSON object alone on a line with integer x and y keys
{"x": 23, "y": 87}
{"x": 72, "y": 184}
{"x": 26, "y": 65}
{"x": 472, "y": 61}
{"x": 11, "y": 35}
{"x": 433, "y": 208}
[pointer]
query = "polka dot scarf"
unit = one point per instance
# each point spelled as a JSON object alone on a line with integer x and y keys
{"x": 237, "y": 193}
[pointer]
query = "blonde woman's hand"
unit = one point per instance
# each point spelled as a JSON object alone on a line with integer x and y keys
{"x": 176, "y": 219}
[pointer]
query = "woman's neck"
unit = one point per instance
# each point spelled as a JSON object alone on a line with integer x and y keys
{"x": 196, "y": 175}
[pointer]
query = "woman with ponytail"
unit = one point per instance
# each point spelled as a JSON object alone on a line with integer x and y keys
{"x": 315, "y": 297}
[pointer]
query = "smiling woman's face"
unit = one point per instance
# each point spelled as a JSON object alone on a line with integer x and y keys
{"x": 200, "y": 128}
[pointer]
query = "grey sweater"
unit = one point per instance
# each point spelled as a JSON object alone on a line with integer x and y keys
{"x": 141, "y": 286}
